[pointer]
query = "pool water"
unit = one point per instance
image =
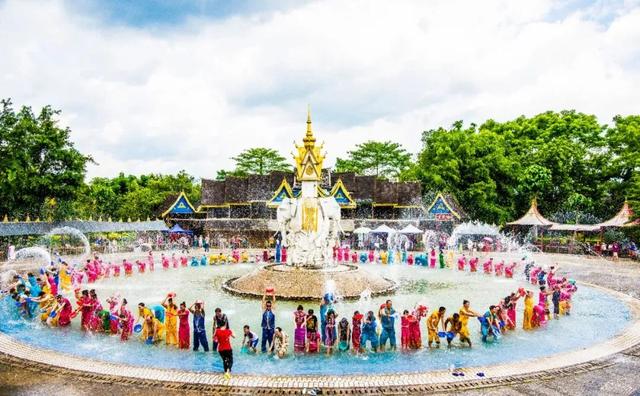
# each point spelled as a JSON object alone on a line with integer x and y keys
{"x": 596, "y": 316}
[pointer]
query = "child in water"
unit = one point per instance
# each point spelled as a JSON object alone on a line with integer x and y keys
{"x": 249, "y": 340}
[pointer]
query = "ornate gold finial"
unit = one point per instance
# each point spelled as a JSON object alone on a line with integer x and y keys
{"x": 28, "y": 219}
{"x": 309, "y": 140}
{"x": 309, "y": 157}
{"x": 5, "y": 219}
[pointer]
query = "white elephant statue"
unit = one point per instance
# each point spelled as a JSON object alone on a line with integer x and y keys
{"x": 308, "y": 248}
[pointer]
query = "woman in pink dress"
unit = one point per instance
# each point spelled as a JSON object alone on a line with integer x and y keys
{"x": 432, "y": 258}
{"x": 300, "y": 334}
{"x": 405, "y": 319}
{"x": 183, "y": 327}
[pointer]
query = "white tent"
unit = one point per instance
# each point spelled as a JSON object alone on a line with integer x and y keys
{"x": 383, "y": 229}
{"x": 362, "y": 230}
{"x": 410, "y": 229}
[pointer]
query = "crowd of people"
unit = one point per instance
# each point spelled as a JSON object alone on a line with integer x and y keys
{"x": 47, "y": 296}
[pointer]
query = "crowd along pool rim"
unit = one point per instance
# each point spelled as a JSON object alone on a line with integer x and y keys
{"x": 580, "y": 360}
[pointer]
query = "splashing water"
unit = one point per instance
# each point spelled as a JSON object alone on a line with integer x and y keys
{"x": 34, "y": 252}
{"x": 429, "y": 239}
{"x": 471, "y": 228}
{"x": 31, "y": 257}
{"x": 86, "y": 251}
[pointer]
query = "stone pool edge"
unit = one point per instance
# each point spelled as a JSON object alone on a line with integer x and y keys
{"x": 15, "y": 352}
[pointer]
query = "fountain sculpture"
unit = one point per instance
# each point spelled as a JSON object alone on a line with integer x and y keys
{"x": 310, "y": 227}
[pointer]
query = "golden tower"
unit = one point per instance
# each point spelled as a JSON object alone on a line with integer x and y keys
{"x": 309, "y": 157}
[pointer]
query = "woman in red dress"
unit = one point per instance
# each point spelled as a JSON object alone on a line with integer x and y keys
{"x": 415, "y": 335}
{"x": 85, "y": 305}
{"x": 64, "y": 311}
{"x": 183, "y": 327}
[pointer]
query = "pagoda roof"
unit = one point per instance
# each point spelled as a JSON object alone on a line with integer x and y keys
{"x": 445, "y": 204}
{"x": 180, "y": 205}
{"x": 283, "y": 191}
{"x": 621, "y": 218}
{"x": 342, "y": 196}
{"x": 532, "y": 217}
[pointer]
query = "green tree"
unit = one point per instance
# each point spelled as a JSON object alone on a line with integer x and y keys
{"x": 473, "y": 165}
{"x": 496, "y": 169}
{"x": 381, "y": 159}
{"x": 39, "y": 167}
{"x": 260, "y": 161}
{"x": 623, "y": 140}
{"x": 128, "y": 196}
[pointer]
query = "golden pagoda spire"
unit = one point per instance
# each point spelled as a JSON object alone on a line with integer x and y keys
{"x": 309, "y": 157}
{"x": 309, "y": 140}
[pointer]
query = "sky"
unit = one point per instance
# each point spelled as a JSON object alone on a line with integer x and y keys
{"x": 161, "y": 86}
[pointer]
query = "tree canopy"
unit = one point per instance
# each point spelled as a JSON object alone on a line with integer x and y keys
{"x": 134, "y": 197}
{"x": 382, "y": 159}
{"x": 256, "y": 161}
{"x": 567, "y": 159}
{"x": 41, "y": 171}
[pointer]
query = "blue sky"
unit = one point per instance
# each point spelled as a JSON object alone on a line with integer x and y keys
{"x": 159, "y": 86}
{"x": 158, "y": 14}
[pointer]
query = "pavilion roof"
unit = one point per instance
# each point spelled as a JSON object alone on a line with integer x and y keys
{"x": 574, "y": 227}
{"x": 532, "y": 217}
{"x": 621, "y": 218}
{"x": 85, "y": 226}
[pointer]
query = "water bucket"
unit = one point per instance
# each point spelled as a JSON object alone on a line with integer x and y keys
{"x": 137, "y": 328}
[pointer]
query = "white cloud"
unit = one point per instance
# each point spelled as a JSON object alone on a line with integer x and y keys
{"x": 191, "y": 96}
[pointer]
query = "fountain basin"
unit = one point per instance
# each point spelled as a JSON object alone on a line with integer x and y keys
{"x": 294, "y": 283}
{"x": 597, "y": 317}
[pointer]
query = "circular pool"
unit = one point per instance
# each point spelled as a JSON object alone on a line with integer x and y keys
{"x": 597, "y": 316}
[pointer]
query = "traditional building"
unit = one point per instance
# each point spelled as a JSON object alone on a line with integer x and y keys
{"x": 247, "y": 205}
